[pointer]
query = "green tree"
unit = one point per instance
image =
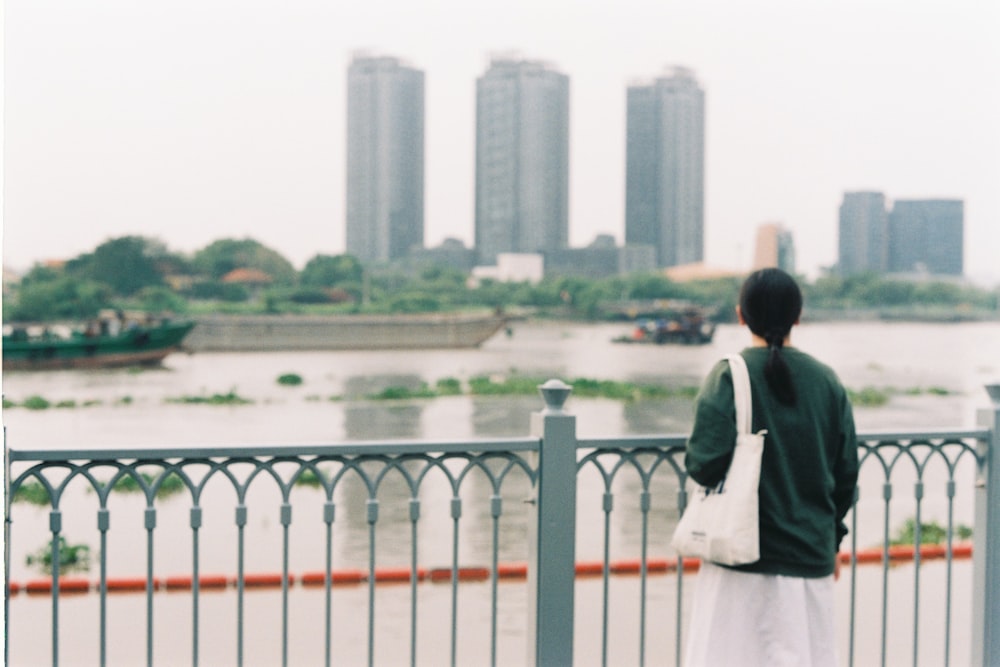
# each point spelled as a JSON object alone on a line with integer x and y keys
{"x": 331, "y": 271}
{"x": 651, "y": 286}
{"x": 126, "y": 264}
{"x": 222, "y": 256}
{"x": 39, "y": 273}
{"x": 63, "y": 298}
{"x": 215, "y": 290}
{"x": 161, "y": 300}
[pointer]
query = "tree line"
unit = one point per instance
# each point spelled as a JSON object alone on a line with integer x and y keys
{"x": 139, "y": 273}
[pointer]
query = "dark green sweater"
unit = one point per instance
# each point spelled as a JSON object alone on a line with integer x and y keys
{"x": 809, "y": 469}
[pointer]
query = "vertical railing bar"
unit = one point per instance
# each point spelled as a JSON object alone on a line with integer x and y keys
{"x": 372, "y": 507}
{"x": 414, "y": 570}
{"x": 241, "y": 520}
{"x": 917, "y": 541}
{"x": 456, "y": 504}
{"x": 495, "y": 510}
{"x": 286, "y": 520}
{"x": 150, "y": 526}
{"x": 947, "y": 573}
{"x": 643, "y": 567}
{"x": 679, "y": 623}
{"x": 328, "y": 587}
{"x": 948, "y": 569}
{"x": 6, "y": 545}
{"x": 680, "y": 609}
{"x": 606, "y": 578}
{"x": 103, "y": 523}
{"x": 886, "y": 496}
{"x": 55, "y": 520}
{"x": 854, "y": 580}
{"x": 195, "y": 596}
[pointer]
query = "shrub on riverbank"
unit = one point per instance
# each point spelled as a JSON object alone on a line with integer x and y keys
{"x": 930, "y": 533}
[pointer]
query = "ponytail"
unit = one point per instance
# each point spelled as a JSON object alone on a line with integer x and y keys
{"x": 771, "y": 303}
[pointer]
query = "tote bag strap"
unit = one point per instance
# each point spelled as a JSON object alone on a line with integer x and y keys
{"x": 741, "y": 393}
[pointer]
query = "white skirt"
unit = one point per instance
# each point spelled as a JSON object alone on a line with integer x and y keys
{"x": 741, "y": 619}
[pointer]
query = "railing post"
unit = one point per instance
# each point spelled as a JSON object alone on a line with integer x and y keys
{"x": 552, "y": 534}
{"x": 986, "y": 545}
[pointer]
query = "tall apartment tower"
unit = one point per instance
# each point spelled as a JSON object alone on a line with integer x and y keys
{"x": 385, "y": 158}
{"x": 775, "y": 247}
{"x": 926, "y": 235}
{"x": 522, "y": 159}
{"x": 665, "y": 167}
{"x": 864, "y": 233}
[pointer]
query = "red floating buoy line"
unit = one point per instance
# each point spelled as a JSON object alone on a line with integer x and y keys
{"x": 389, "y": 575}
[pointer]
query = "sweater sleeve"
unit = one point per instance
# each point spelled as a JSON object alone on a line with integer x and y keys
{"x": 713, "y": 436}
{"x": 845, "y": 471}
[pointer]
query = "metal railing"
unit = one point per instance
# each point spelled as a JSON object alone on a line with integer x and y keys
{"x": 533, "y": 480}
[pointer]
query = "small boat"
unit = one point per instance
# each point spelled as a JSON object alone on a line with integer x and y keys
{"x": 689, "y": 326}
{"x": 105, "y": 342}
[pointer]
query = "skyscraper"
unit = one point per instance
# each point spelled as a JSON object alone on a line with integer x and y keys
{"x": 385, "y": 158}
{"x": 864, "y": 233}
{"x": 926, "y": 235}
{"x": 775, "y": 247}
{"x": 665, "y": 167}
{"x": 522, "y": 159}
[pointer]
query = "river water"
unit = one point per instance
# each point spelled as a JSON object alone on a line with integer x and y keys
{"x": 132, "y": 409}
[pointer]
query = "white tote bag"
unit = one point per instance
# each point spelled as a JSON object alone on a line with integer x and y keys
{"x": 721, "y": 524}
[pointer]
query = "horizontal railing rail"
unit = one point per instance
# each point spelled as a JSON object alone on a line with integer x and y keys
{"x": 636, "y": 483}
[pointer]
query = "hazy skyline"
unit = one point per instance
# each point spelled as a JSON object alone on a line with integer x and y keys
{"x": 194, "y": 121}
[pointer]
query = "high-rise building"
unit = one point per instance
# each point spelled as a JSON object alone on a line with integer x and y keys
{"x": 385, "y": 158}
{"x": 864, "y": 233}
{"x": 522, "y": 159}
{"x": 665, "y": 167}
{"x": 775, "y": 247}
{"x": 926, "y": 235}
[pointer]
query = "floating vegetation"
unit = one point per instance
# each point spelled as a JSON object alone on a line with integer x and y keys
{"x": 582, "y": 387}
{"x": 483, "y": 385}
{"x": 930, "y": 533}
{"x": 36, "y": 403}
{"x": 230, "y": 398}
{"x": 869, "y": 397}
{"x": 33, "y": 493}
{"x": 487, "y": 385}
{"x": 400, "y": 393}
{"x": 874, "y": 397}
{"x": 72, "y": 557}
{"x": 41, "y": 403}
{"x": 628, "y": 391}
{"x": 448, "y": 387}
{"x": 290, "y": 379}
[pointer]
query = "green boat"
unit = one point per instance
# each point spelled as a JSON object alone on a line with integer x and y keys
{"x": 102, "y": 343}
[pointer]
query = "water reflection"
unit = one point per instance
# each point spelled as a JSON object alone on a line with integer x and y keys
{"x": 507, "y": 416}
{"x": 673, "y": 415}
{"x": 382, "y": 421}
{"x": 363, "y": 386}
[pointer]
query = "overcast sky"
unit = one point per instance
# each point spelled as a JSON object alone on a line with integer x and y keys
{"x": 195, "y": 120}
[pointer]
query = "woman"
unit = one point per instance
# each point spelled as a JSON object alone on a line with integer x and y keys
{"x": 779, "y": 609}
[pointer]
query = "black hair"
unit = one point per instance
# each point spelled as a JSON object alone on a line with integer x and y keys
{"x": 771, "y": 302}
